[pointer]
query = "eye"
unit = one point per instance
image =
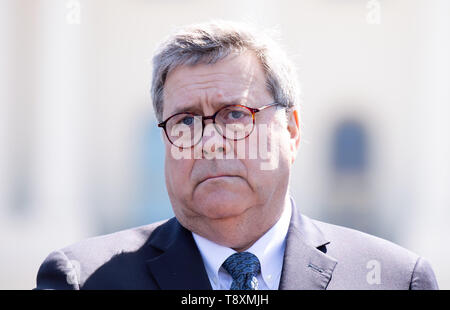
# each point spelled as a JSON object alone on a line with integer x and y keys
{"x": 187, "y": 120}
{"x": 235, "y": 114}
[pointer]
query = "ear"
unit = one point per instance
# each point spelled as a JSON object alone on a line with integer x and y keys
{"x": 293, "y": 127}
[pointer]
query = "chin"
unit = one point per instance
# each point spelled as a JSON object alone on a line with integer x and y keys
{"x": 223, "y": 205}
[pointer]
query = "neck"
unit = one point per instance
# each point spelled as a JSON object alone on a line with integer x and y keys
{"x": 249, "y": 245}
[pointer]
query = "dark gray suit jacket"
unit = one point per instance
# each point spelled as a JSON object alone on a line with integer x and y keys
{"x": 164, "y": 255}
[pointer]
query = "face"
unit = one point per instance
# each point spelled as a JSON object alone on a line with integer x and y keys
{"x": 228, "y": 199}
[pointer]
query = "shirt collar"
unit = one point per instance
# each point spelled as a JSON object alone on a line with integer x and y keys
{"x": 269, "y": 249}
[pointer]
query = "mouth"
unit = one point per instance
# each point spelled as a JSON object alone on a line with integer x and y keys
{"x": 219, "y": 177}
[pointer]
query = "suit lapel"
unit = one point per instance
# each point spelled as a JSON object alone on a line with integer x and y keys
{"x": 305, "y": 266}
{"x": 180, "y": 266}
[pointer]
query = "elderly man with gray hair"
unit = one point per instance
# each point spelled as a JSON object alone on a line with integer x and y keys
{"x": 226, "y": 99}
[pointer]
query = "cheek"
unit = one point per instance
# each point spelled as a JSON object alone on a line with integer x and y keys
{"x": 274, "y": 158}
{"x": 285, "y": 146}
{"x": 271, "y": 149}
{"x": 178, "y": 173}
{"x": 281, "y": 137}
{"x": 277, "y": 142}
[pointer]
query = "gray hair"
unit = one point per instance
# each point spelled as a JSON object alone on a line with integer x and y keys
{"x": 213, "y": 41}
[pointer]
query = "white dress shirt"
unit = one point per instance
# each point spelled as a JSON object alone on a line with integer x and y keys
{"x": 269, "y": 249}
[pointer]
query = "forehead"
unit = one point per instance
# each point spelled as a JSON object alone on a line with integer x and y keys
{"x": 234, "y": 79}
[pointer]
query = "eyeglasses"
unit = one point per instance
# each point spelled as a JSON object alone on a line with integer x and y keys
{"x": 233, "y": 122}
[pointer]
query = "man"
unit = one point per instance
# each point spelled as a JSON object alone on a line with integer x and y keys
{"x": 221, "y": 91}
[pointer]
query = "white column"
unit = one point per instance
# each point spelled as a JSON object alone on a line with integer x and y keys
{"x": 50, "y": 137}
{"x": 62, "y": 134}
{"x": 431, "y": 229}
{"x": 5, "y": 102}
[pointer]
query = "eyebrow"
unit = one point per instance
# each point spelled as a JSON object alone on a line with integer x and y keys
{"x": 193, "y": 108}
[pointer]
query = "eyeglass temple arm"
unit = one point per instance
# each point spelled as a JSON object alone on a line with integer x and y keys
{"x": 266, "y": 106}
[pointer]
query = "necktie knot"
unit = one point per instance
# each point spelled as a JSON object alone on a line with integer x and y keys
{"x": 243, "y": 268}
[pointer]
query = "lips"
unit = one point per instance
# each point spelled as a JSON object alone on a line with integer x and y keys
{"x": 217, "y": 177}
{"x": 204, "y": 170}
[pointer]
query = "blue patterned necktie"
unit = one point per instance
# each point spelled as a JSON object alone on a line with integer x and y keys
{"x": 243, "y": 268}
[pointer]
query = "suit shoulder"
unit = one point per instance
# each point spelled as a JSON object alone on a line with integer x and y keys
{"x": 352, "y": 238}
{"x": 358, "y": 253}
{"x": 91, "y": 253}
{"x": 71, "y": 266}
{"x": 126, "y": 240}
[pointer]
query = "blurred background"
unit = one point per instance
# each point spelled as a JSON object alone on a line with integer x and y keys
{"x": 80, "y": 153}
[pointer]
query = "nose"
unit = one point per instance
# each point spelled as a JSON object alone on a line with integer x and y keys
{"x": 214, "y": 145}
